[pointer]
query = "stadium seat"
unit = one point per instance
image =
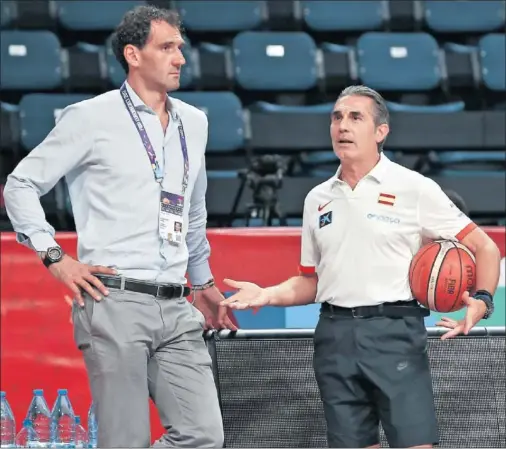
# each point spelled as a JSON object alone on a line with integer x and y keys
{"x": 275, "y": 61}
{"x": 86, "y": 67}
{"x": 339, "y": 65}
{"x": 6, "y": 13}
{"x": 460, "y": 62}
{"x": 492, "y": 48}
{"x": 215, "y": 73}
{"x": 399, "y": 61}
{"x": 9, "y": 120}
{"x": 224, "y": 112}
{"x": 344, "y": 15}
{"x": 444, "y": 108}
{"x": 34, "y": 15}
{"x": 38, "y": 113}
{"x": 221, "y": 16}
{"x": 30, "y": 60}
{"x": 458, "y": 16}
{"x": 79, "y": 16}
{"x": 469, "y": 160}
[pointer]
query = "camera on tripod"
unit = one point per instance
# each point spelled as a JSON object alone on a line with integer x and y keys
{"x": 265, "y": 178}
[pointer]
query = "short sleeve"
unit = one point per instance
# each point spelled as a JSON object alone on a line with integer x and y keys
{"x": 309, "y": 254}
{"x": 439, "y": 218}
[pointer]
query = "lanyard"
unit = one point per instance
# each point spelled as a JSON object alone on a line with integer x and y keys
{"x": 147, "y": 143}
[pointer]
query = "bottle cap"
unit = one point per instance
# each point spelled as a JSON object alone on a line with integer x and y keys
{"x": 78, "y": 419}
{"x": 2, "y": 394}
{"x": 38, "y": 392}
{"x": 62, "y": 391}
{"x": 27, "y": 423}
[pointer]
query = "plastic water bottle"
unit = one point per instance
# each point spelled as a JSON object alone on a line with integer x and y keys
{"x": 81, "y": 435}
{"x": 63, "y": 422}
{"x": 27, "y": 436}
{"x": 40, "y": 417}
{"x": 8, "y": 423}
{"x": 92, "y": 427}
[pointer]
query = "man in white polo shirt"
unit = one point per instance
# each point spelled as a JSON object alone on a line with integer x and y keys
{"x": 361, "y": 228}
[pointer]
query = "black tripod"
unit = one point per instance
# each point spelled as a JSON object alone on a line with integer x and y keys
{"x": 265, "y": 178}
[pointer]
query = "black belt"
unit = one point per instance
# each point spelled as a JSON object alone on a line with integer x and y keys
{"x": 388, "y": 309}
{"x": 164, "y": 291}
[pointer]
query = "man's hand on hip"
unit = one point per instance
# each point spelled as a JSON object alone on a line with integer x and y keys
{"x": 80, "y": 277}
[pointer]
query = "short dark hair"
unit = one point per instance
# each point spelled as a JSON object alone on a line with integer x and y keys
{"x": 135, "y": 27}
{"x": 381, "y": 114}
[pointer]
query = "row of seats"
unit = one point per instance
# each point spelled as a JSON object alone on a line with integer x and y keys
{"x": 266, "y": 61}
{"x": 211, "y": 16}
{"x": 233, "y": 128}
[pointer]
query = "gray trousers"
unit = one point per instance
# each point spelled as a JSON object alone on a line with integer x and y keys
{"x": 136, "y": 347}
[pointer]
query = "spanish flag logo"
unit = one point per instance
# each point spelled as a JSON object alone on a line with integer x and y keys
{"x": 387, "y": 199}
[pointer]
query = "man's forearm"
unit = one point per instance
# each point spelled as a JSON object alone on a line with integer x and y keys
{"x": 296, "y": 291}
{"x": 488, "y": 259}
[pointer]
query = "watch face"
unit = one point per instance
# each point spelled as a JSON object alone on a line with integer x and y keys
{"x": 54, "y": 254}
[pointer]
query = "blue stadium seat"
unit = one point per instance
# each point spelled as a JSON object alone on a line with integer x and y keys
{"x": 464, "y": 16}
{"x": 9, "y": 121}
{"x": 224, "y": 112}
{"x": 258, "y": 222}
{"x": 283, "y": 61}
{"x": 211, "y": 15}
{"x": 38, "y": 113}
{"x": 444, "y": 108}
{"x": 344, "y": 15}
{"x": 30, "y": 60}
{"x": 117, "y": 75}
{"x": 492, "y": 49}
{"x": 399, "y": 61}
{"x": 6, "y": 13}
{"x": 79, "y": 15}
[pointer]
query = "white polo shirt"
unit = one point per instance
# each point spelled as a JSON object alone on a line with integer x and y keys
{"x": 360, "y": 242}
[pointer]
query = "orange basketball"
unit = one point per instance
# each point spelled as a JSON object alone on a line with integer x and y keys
{"x": 440, "y": 273}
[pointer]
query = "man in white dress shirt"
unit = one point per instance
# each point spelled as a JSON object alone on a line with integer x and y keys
{"x": 134, "y": 161}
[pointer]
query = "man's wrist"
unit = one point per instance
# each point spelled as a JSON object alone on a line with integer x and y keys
{"x": 486, "y": 301}
{"x": 206, "y": 285}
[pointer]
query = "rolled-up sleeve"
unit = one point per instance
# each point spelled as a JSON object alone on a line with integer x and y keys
{"x": 67, "y": 146}
{"x": 199, "y": 249}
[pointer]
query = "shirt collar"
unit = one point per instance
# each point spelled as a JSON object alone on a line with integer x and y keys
{"x": 378, "y": 172}
{"x": 141, "y": 106}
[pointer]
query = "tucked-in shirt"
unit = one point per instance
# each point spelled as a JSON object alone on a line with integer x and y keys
{"x": 360, "y": 242}
{"x": 115, "y": 197}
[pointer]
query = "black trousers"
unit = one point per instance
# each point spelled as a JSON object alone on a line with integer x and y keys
{"x": 370, "y": 370}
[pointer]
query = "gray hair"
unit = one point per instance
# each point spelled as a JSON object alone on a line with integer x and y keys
{"x": 381, "y": 114}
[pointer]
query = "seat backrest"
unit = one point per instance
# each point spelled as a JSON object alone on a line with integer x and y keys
{"x": 38, "y": 114}
{"x": 9, "y": 121}
{"x": 225, "y": 117}
{"x": 223, "y": 16}
{"x": 6, "y": 13}
{"x": 492, "y": 48}
{"x": 399, "y": 61}
{"x": 79, "y": 15}
{"x": 344, "y": 15}
{"x": 30, "y": 60}
{"x": 464, "y": 16}
{"x": 284, "y": 61}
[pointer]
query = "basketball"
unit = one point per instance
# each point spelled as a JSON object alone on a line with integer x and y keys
{"x": 440, "y": 273}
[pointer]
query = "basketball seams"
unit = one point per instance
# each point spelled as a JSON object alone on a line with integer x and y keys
{"x": 436, "y": 265}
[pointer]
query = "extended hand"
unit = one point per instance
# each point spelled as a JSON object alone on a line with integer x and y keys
{"x": 476, "y": 310}
{"x": 249, "y": 295}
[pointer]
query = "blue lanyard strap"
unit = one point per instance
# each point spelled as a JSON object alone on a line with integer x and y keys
{"x": 147, "y": 143}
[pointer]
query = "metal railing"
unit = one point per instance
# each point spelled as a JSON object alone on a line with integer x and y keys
{"x": 269, "y": 395}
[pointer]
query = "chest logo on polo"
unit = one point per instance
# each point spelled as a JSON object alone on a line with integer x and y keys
{"x": 325, "y": 219}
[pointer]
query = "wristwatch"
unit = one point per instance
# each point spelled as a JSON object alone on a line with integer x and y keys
{"x": 53, "y": 255}
{"x": 488, "y": 299}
